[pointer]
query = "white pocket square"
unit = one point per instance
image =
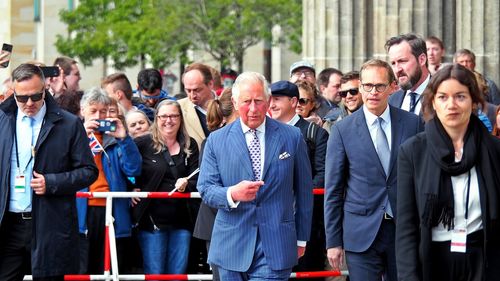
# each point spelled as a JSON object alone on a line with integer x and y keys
{"x": 284, "y": 155}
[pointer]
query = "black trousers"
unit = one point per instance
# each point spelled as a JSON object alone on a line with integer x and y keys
{"x": 15, "y": 247}
{"x": 92, "y": 245}
{"x": 448, "y": 266}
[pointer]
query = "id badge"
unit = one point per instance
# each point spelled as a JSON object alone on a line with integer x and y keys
{"x": 19, "y": 184}
{"x": 459, "y": 240}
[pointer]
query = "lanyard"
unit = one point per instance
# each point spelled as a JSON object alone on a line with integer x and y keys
{"x": 467, "y": 199}
{"x": 17, "y": 151}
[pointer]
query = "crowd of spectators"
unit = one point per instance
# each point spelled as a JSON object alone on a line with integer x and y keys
{"x": 365, "y": 138}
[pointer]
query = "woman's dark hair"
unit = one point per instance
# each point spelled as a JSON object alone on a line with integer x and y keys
{"x": 218, "y": 109}
{"x": 457, "y": 72}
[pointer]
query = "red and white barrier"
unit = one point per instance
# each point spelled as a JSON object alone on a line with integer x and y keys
{"x": 110, "y": 257}
{"x": 294, "y": 275}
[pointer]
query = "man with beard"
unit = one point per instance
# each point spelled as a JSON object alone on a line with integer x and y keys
{"x": 408, "y": 58}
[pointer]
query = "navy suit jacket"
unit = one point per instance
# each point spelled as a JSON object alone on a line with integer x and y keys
{"x": 280, "y": 214}
{"x": 356, "y": 186}
{"x": 396, "y": 99}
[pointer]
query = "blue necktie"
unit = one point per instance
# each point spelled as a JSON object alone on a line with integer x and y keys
{"x": 382, "y": 145}
{"x": 26, "y": 163}
{"x": 413, "y": 102}
{"x": 384, "y": 154}
{"x": 254, "y": 150}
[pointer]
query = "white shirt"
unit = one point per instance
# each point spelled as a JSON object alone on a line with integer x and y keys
{"x": 419, "y": 91}
{"x": 294, "y": 120}
{"x": 474, "y": 221}
{"x": 371, "y": 122}
{"x": 248, "y": 138}
{"x": 24, "y": 143}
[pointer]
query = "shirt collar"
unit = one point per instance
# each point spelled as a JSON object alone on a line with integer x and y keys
{"x": 261, "y": 128}
{"x": 294, "y": 120}
{"x": 38, "y": 117}
{"x": 372, "y": 118}
{"x": 420, "y": 89}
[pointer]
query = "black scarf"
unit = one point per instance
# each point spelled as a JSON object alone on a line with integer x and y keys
{"x": 477, "y": 151}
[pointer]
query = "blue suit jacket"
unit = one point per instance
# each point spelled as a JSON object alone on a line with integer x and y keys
{"x": 280, "y": 214}
{"x": 356, "y": 186}
{"x": 396, "y": 99}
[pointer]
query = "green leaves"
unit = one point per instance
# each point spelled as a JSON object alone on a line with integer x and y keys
{"x": 159, "y": 31}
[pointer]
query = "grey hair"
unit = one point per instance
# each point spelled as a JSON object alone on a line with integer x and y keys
{"x": 95, "y": 95}
{"x": 26, "y": 71}
{"x": 250, "y": 77}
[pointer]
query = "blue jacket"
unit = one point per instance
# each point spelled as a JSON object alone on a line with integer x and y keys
{"x": 121, "y": 160}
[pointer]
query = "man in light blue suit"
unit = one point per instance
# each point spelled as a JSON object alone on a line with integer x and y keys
{"x": 257, "y": 173}
{"x": 360, "y": 179}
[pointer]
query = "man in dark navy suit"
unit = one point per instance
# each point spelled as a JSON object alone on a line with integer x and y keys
{"x": 284, "y": 99}
{"x": 360, "y": 179}
{"x": 408, "y": 58}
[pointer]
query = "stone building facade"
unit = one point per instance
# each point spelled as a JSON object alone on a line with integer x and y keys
{"x": 345, "y": 33}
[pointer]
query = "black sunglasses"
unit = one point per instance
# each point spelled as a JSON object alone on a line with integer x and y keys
{"x": 303, "y": 101}
{"x": 353, "y": 92}
{"x": 25, "y": 98}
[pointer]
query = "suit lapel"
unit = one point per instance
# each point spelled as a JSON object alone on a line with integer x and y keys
{"x": 237, "y": 139}
{"x": 272, "y": 144}
{"x": 396, "y": 131}
{"x": 193, "y": 121}
{"x": 366, "y": 139}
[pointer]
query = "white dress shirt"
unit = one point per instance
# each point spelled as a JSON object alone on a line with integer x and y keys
{"x": 372, "y": 123}
{"x": 419, "y": 90}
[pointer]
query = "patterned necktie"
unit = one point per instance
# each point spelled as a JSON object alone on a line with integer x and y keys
{"x": 254, "y": 149}
{"x": 382, "y": 145}
{"x": 413, "y": 101}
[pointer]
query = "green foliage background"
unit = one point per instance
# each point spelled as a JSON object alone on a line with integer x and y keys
{"x": 131, "y": 32}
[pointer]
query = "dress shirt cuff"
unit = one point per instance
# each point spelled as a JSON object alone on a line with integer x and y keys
{"x": 230, "y": 201}
{"x": 301, "y": 243}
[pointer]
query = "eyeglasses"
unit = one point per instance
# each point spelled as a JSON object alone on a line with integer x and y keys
{"x": 306, "y": 73}
{"x": 353, "y": 92}
{"x": 25, "y": 98}
{"x": 378, "y": 87}
{"x": 164, "y": 117}
{"x": 304, "y": 101}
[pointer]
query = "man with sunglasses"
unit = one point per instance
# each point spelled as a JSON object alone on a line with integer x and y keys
{"x": 149, "y": 87}
{"x": 351, "y": 100}
{"x": 284, "y": 99}
{"x": 45, "y": 159}
{"x": 360, "y": 179}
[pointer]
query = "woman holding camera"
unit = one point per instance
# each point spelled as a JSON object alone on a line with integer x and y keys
{"x": 169, "y": 156}
{"x": 448, "y": 188}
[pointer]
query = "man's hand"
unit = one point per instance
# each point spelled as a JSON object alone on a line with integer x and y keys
{"x": 120, "y": 132}
{"x": 335, "y": 257}
{"x": 56, "y": 84}
{"x": 90, "y": 126}
{"x": 301, "y": 251}
{"x": 246, "y": 190}
{"x": 135, "y": 200}
{"x": 181, "y": 184}
{"x": 38, "y": 183}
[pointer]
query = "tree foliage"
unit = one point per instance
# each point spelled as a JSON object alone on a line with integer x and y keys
{"x": 129, "y": 32}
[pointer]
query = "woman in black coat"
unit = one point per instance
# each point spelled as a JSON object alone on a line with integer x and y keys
{"x": 448, "y": 188}
{"x": 169, "y": 156}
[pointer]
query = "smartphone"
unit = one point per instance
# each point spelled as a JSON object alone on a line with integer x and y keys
{"x": 6, "y": 48}
{"x": 106, "y": 125}
{"x": 50, "y": 71}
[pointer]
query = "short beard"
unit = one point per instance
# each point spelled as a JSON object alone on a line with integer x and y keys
{"x": 413, "y": 80}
